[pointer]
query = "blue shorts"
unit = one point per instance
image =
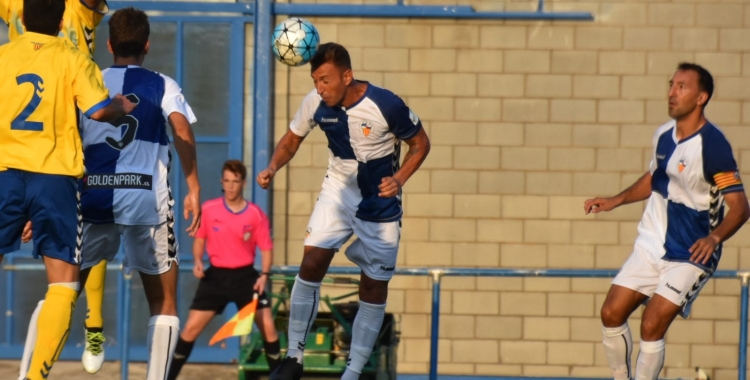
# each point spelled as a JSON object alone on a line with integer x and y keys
{"x": 51, "y": 203}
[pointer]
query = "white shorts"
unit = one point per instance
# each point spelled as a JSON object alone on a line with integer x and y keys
{"x": 148, "y": 249}
{"x": 376, "y": 248}
{"x": 678, "y": 282}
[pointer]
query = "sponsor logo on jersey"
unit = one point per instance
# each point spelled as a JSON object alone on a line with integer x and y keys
{"x": 117, "y": 181}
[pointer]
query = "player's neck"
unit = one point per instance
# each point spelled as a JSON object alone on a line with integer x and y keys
{"x": 235, "y": 205}
{"x": 688, "y": 125}
{"x": 355, "y": 92}
{"x": 129, "y": 61}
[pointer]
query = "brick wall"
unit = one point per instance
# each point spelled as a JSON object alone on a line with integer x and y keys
{"x": 527, "y": 120}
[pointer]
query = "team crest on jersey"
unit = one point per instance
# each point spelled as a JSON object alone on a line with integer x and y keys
{"x": 366, "y": 128}
{"x": 681, "y": 165}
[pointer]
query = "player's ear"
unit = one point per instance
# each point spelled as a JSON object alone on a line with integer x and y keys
{"x": 348, "y": 77}
{"x": 145, "y": 48}
{"x": 109, "y": 47}
{"x": 702, "y": 98}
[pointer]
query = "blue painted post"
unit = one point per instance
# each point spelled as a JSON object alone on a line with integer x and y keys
{"x": 9, "y": 300}
{"x": 175, "y": 164}
{"x": 263, "y": 108}
{"x": 743, "y": 327}
{"x": 436, "y": 275}
{"x": 125, "y": 316}
{"x": 237, "y": 89}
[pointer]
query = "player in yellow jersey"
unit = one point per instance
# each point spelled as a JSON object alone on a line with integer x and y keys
{"x": 41, "y": 157}
{"x": 80, "y": 20}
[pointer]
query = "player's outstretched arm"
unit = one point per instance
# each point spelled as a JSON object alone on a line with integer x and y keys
{"x": 118, "y": 107}
{"x": 419, "y": 147}
{"x": 184, "y": 144}
{"x": 637, "y": 192}
{"x": 285, "y": 150}
{"x": 739, "y": 213}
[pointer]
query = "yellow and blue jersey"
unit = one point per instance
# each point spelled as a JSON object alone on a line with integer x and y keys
{"x": 79, "y": 22}
{"x": 44, "y": 79}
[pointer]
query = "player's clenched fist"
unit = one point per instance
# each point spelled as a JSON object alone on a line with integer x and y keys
{"x": 198, "y": 269}
{"x": 600, "y": 204}
{"x": 389, "y": 187}
{"x": 265, "y": 177}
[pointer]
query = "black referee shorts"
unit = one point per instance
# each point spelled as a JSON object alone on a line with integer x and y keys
{"x": 220, "y": 286}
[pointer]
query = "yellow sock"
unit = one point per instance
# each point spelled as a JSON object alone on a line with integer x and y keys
{"x": 53, "y": 328}
{"x": 95, "y": 295}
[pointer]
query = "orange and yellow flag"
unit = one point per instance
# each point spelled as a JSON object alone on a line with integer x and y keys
{"x": 240, "y": 324}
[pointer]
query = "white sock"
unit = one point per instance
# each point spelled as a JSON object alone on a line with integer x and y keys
{"x": 650, "y": 360}
{"x": 28, "y": 347}
{"x": 303, "y": 310}
{"x": 163, "y": 331}
{"x": 618, "y": 345}
{"x": 365, "y": 331}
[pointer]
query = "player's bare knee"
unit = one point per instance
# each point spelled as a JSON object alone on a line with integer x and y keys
{"x": 373, "y": 291}
{"x": 315, "y": 263}
{"x": 611, "y": 316}
{"x": 653, "y": 328}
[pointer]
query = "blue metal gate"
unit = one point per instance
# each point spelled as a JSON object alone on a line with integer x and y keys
{"x": 206, "y": 55}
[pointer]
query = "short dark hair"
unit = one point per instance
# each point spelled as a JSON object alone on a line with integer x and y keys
{"x": 333, "y": 53}
{"x": 43, "y": 16}
{"x": 128, "y": 32}
{"x": 705, "y": 80}
{"x": 236, "y": 167}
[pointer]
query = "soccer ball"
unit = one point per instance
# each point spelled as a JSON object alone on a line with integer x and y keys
{"x": 295, "y": 41}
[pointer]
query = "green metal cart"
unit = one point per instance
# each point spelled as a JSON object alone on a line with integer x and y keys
{"x": 328, "y": 343}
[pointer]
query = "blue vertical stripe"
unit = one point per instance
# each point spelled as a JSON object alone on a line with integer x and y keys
{"x": 149, "y": 87}
{"x": 97, "y": 204}
{"x": 664, "y": 149}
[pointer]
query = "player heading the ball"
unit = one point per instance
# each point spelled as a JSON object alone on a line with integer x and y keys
{"x": 361, "y": 195}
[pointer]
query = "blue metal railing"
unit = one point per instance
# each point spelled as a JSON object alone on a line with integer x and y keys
{"x": 397, "y": 10}
{"x": 436, "y": 274}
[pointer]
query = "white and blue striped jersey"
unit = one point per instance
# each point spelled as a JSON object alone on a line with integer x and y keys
{"x": 688, "y": 179}
{"x": 127, "y": 160}
{"x": 364, "y": 143}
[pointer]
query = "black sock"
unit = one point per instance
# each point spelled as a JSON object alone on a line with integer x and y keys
{"x": 181, "y": 355}
{"x": 273, "y": 354}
